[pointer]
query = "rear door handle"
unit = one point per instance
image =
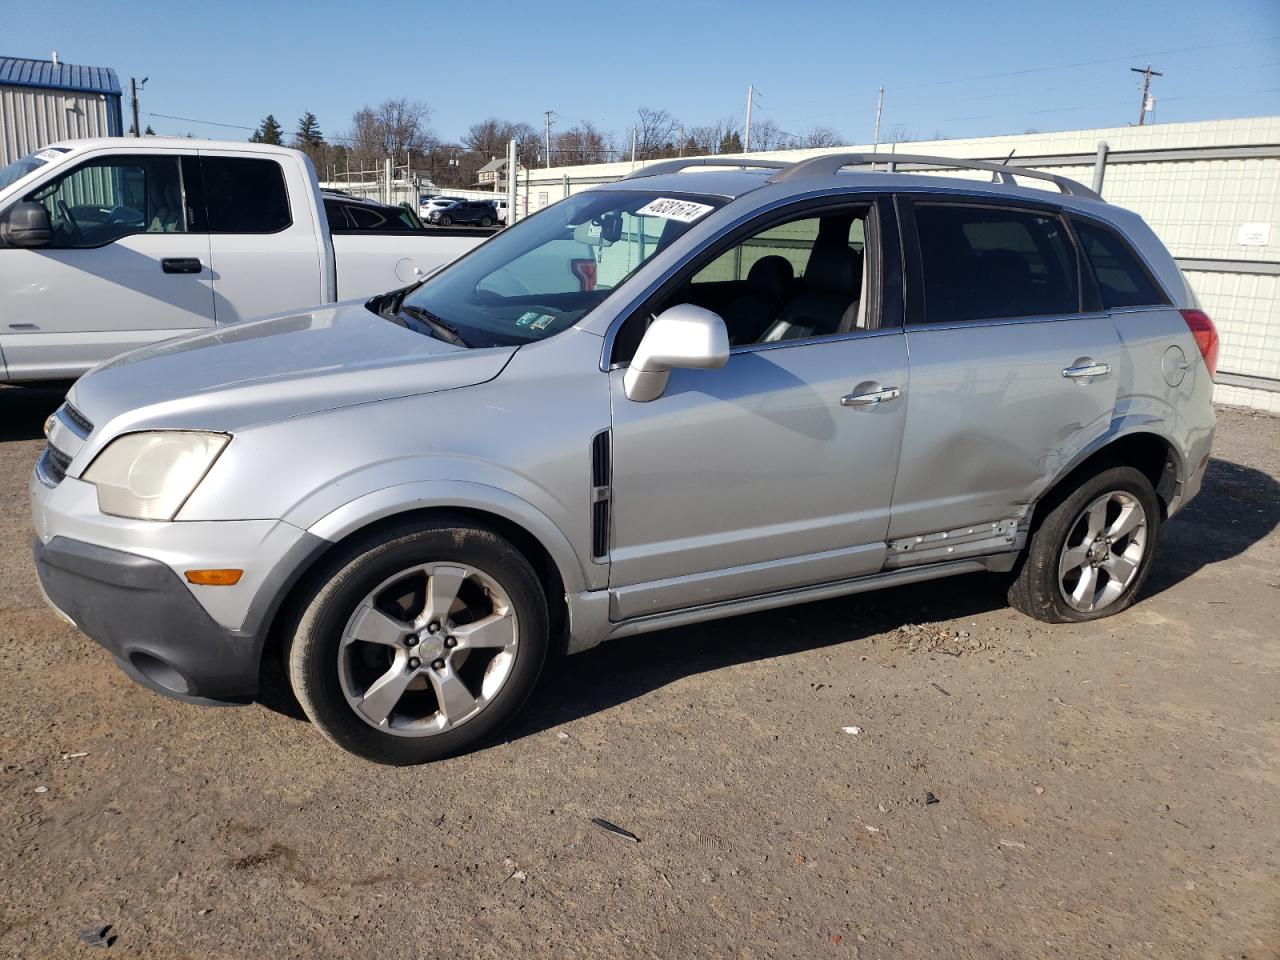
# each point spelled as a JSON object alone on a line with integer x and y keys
{"x": 181, "y": 265}
{"x": 871, "y": 397}
{"x": 1084, "y": 371}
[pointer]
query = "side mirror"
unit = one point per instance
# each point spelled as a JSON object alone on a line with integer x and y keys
{"x": 26, "y": 225}
{"x": 684, "y": 336}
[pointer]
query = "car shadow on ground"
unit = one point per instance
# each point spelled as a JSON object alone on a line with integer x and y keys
{"x": 1238, "y": 507}
{"x": 23, "y": 410}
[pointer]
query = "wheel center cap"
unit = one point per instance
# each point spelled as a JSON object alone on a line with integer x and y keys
{"x": 430, "y": 646}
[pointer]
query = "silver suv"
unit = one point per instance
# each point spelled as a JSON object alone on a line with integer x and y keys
{"x": 691, "y": 394}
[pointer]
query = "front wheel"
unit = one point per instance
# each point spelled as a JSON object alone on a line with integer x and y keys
{"x": 1091, "y": 554}
{"x": 419, "y": 642}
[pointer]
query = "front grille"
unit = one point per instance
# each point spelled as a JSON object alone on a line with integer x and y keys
{"x": 52, "y": 466}
{"x": 76, "y": 420}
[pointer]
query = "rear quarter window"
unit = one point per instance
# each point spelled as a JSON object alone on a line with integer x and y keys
{"x": 1122, "y": 279}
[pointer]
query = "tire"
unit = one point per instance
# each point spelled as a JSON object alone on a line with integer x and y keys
{"x": 444, "y": 220}
{"x": 361, "y": 642}
{"x": 486, "y": 222}
{"x": 1068, "y": 576}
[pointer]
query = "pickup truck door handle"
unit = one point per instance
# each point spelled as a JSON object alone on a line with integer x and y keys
{"x": 1087, "y": 370}
{"x": 871, "y": 397}
{"x": 181, "y": 265}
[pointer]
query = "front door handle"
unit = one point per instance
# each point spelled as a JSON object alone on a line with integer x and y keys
{"x": 181, "y": 265}
{"x": 871, "y": 397}
{"x": 1086, "y": 369}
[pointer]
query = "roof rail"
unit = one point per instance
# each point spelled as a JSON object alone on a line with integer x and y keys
{"x": 831, "y": 163}
{"x": 675, "y": 166}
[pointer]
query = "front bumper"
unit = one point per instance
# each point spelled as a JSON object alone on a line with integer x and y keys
{"x": 146, "y": 617}
{"x": 121, "y": 583}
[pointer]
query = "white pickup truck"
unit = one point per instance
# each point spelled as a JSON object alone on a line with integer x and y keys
{"x": 110, "y": 244}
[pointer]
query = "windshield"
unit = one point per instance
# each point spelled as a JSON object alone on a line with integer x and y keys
{"x": 544, "y": 274}
{"x": 32, "y": 161}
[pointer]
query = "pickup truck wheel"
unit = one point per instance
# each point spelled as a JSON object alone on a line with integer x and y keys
{"x": 1092, "y": 552}
{"x": 419, "y": 642}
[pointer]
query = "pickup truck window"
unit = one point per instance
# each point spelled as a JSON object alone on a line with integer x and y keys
{"x": 544, "y": 274}
{"x": 245, "y": 195}
{"x": 103, "y": 200}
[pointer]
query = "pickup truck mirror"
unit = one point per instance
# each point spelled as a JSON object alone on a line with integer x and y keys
{"x": 683, "y": 336}
{"x": 26, "y": 225}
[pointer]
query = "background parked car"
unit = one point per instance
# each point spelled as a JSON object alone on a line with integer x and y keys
{"x": 436, "y": 203}
{"x": 352, "y": 213}
{"x": 480, "y": 212}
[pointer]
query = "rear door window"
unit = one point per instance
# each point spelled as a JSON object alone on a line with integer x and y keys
{"x": 245, "y": 195}
{"x": 1122, "y": 280}
{"x": 984, "y": 263}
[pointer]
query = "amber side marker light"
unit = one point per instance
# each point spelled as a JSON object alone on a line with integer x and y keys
{"x": 215, "y": 578}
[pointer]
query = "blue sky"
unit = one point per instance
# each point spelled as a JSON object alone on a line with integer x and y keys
{"x": 813, "y": 63}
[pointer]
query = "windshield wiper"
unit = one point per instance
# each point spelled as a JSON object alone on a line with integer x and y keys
{"x": 438, "y": 328}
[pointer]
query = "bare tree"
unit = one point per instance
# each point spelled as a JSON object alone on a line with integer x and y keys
{"x": 656, "y": 134}
{"x": 392, "y": 129}
{"x": 819, "y": 137}
{"x": 706, "y": 139}
{"x": 767, "y": 135}
{"x": 490, "y": 137}
{"x": 582, "y": 143}
{"x": 900, "y": 133}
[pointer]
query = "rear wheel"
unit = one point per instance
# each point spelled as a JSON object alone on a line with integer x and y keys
{"x": 419, "y": 642}
{"x": 445, "y": 220}
{"x": 1092, "y": 552}
{"x": 486, "y": 222}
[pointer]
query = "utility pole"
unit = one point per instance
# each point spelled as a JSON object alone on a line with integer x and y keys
{"x": 134, "y": 87}
{"x": 633, "y": 148}
{"x": 546, "y": 127}
{"x": 879, "y": 108}
{"x": 746, "y": 143}
{"x": 513, "y": 161}
{"x": 1147, "y": 102}
{"x": 682, "y": 139}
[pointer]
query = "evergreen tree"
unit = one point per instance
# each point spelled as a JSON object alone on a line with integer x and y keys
{"x": 308, "y": 134}
{"x": 268, "y": 132}
{"x": 730, "y": 143}
{"x": 148, "y": 132}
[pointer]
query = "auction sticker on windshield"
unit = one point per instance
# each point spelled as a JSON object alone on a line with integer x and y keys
{"x": 686, "y": 211}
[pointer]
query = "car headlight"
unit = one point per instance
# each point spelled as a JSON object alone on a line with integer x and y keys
{"x": 148, "y": 476}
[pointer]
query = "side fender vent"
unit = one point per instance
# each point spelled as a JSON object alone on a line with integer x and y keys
{"x": 601, "y": 472}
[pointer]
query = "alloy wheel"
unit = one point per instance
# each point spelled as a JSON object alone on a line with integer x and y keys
{"x": 428, "y": 649}
{"x": 1103, "y": 551}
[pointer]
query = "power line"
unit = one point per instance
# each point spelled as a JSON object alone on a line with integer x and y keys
{"x": 1090, "y": 63}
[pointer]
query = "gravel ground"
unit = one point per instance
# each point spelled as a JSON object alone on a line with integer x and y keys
{"x": 1105, "y": 790}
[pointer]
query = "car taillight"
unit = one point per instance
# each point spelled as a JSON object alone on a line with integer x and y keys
{"x": 585, "y": 271}
{"x": 1206, "y": 335}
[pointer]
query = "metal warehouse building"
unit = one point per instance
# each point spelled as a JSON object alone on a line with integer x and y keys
{"x": 1211, "y": 190}
{"x": 43, "y": 101}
